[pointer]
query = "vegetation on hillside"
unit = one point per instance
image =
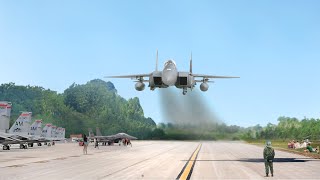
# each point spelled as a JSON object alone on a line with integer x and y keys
{"x": 94, "y": 104}
{"x": 286, "y": 129}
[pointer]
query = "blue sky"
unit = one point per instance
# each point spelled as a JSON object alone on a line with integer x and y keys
{"x": 273, "y": 45}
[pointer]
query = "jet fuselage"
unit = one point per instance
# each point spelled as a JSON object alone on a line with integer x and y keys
{"x": 169, "y": 73}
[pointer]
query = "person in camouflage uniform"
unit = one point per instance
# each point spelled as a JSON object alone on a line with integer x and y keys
{"x": 268, "y": 155}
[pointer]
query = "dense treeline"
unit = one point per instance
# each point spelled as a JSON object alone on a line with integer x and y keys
{"x": 287, "y": 128}
{"x": 95, "y": 104}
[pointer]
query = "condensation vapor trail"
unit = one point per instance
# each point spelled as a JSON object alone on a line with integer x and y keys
{"x": 185, "y": 110}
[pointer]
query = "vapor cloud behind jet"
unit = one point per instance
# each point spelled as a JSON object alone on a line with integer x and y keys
{"x": 189, "y": 110}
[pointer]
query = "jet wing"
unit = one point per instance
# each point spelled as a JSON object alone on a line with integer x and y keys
{"x": 2, "y": 136}
{"x": 9, "y": 140}
{"x": 132, "y": 76}
{"x": 7, "y": 136}
{"x": 124, "y": 135}
{"x": 211, "y": 76}
{"x": 21, "y": 137}
{"x": 6, "y": 141}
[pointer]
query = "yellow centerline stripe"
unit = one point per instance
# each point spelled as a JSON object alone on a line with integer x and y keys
{"x": 190, "y": 164}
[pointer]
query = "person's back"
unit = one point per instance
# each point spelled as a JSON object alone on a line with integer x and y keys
{"x": 268, "y": 153}
{"x": 85, "y": 139}
{"x": 268, "y": 156}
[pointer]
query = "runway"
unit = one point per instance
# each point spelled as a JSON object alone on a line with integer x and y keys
{"x": 153, "y": 160}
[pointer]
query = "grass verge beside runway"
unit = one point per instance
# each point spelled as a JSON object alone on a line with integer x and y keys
{"x": 282, "y": 145}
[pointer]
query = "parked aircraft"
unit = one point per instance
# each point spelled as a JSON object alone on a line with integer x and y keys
{"x": 7, "y": 139}
{"x": 53, "y": 133}
{"x": 22, "y": 133}
{"x": 35, "y": 133}
{"x": 20, "y": 130}
{"x": 109, "y": 139}
{"x": 101, "y": 139}
{"x": 170, "y": 76}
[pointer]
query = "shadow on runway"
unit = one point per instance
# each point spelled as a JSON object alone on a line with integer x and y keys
{"x": 260, "y": 160}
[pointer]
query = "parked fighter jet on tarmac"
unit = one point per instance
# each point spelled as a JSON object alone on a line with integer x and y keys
{"x": 170, "y": 76}
{"x": 109, "y": 139}
{"x": 22, "y": 133}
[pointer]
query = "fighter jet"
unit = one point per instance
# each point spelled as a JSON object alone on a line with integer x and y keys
{"x": 28, "y": 135}
{"x": 170, "y": 76}
{"x": 35, "y": 133}
{"x": 100, "y": 138}
{"x": 7, "y": 139}
{"x": 109, "y": 139}
{"x": 53, "y": 133}
{"x": 20, "y": 130}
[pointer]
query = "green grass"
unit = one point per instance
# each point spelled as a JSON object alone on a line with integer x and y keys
{"x": 283, "y": 146}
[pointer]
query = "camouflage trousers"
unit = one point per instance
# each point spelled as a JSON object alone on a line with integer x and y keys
{"x": 268, "y": 164}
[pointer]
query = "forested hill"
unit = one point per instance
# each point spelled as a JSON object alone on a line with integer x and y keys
{"x": 91, "y": 105}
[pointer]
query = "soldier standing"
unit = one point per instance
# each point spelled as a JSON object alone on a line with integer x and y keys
{"x": 268, "y": 155}
{"x": 85, "y": 144}
{"x": 96, "y": 143}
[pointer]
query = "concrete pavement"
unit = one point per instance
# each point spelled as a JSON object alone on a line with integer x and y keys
{"x": 153, "y": 160}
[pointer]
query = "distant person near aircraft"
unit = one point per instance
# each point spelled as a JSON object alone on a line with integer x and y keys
{"x": 96, "y": 143}
{"x": 85, "y": 144}
{"x": 170, "y": 76}
{"x": 126, "y": 142}
{"x": 268, "y": 155}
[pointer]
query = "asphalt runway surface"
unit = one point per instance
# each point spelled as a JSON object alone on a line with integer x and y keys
{"x": 153, "y": 160}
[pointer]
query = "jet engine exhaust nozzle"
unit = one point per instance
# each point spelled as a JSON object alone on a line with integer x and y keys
{"x": 140, "y": 86}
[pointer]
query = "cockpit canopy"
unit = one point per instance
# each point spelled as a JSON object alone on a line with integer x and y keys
{"x": 169, "y": 62}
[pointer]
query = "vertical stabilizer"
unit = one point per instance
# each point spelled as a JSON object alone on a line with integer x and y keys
{"x": 98, "y": 132}
{"x": 191, "y": 64}
{"x": 157, "y": 61}
{"x": 91, "y": 135}
{"x": 59, "y": 133}
{"x": 35, "y": 129}
{"x": 46, "y": 132}
{"x": 5, "y": 111}
{"x": 53, "y": 132}
{"x": 22, "y": 124}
